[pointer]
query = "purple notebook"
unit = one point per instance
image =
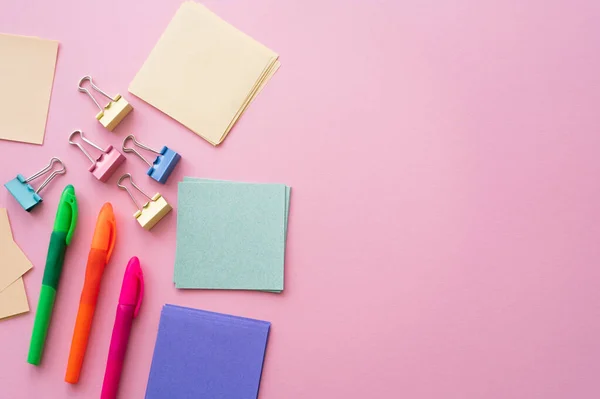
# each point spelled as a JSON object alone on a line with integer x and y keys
{"x": 200, "y": 354}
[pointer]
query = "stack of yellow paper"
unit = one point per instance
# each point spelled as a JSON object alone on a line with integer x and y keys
{"x": 203, "y": 72}
{"x": 26, "y": 75}
{"x": 13, "y": 264}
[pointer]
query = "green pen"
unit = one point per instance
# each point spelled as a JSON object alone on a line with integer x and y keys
{"x": 62, "y": 233}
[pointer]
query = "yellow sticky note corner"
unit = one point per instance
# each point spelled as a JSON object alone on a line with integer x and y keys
{"x": 203, "y": 72}
{"x": 5, "y": 230}
{"x": 13, "y": 300}
{"x": 26, "y": 77}
{"x": 13, "y": 262}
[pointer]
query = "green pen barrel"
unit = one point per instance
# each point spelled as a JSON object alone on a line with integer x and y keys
{"x": 41, "y": 324}
{"x": 54, "y": 264}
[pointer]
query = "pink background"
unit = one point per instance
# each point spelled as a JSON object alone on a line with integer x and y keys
{"x": 444, "y": 226}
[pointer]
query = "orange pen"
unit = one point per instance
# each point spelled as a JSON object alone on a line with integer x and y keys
{"x": 102, "y": 247}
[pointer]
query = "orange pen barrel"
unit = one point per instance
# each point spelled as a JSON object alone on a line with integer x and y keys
{"x": 103, "y": 244}
{"x": 85, "y": 314}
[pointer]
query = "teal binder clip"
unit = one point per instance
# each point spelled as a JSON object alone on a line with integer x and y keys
{"x": 165, "y": 162}
{"x": 24, "y": 193}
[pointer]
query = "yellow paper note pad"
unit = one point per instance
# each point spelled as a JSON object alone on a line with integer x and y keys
{"x": 26, "y": 76}
{"x": 203, "y": 72}
{"x": 13, "y": 300}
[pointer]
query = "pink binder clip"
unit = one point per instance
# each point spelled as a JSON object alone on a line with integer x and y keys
{"x": 104, "y": 166}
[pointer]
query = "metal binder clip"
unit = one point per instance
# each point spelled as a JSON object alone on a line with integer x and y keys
{"x": 105, "y": 165}
{"x": 114, "y": 112}
{"x": 24, "y": 193}
{"x": 164, "y": 163}
{"x": 152, "y": 211}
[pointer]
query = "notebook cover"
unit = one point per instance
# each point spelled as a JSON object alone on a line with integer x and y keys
{"x": 200, "y": 354}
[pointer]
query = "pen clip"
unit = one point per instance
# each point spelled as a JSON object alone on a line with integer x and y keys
{"x": 71, "y": 202}
{"x": 140, "y": 280}
{"x": 112, "y": 240}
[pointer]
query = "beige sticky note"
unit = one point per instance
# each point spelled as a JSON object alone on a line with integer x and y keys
{"x": 13, "y": 262}
{"x": 26, "y": 76}
{"x": 5, "y": 230}
{"x": 13, "y": 300}
{"x": 203, "y": 72}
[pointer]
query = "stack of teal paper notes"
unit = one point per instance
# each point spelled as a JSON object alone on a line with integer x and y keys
{"x": 231, "y": 235}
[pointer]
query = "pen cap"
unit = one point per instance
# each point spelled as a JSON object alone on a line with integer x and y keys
{"x": 105, "y": 233}
{"x": 66, "y": 214}
{"x": 132, "y": 290}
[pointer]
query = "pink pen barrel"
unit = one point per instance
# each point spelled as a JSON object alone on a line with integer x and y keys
{"x": 117, "y": 350}
{"x": 130, "y": 301}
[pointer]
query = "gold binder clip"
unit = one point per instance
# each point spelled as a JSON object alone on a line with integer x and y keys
{"x": 152, "y": 211}
{"x": 114, "y": 112}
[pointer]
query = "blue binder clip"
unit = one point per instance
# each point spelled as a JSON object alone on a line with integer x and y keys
{"x": 24, "y": 193}
{"x": 163, "y": 165}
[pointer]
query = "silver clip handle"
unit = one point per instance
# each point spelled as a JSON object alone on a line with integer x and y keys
{"x": 87, "y": 154}
{"x": 54, "y": 173}
{"x": 140, "y": 145}
{"x": 84, "y": 90}
{"x": 122, "y": 187}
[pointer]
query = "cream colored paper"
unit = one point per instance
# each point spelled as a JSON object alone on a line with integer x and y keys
{"x": 13, "y": 262}
{"x": 203, "y": 72}
{"x": 26, "y": 76}
{"x": 5, "y": 230}
{"x": 13, "y": 300}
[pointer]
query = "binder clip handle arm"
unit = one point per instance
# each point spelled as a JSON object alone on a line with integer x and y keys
{"x": 87, "y": 154}
{"x": 45, "y": 170}
{"x": 122, "y": 187}
{"x": 140, "y": 145}
{"x": 99, "y": 90}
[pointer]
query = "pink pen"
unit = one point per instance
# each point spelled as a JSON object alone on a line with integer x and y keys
{"x": 130, "y": 300}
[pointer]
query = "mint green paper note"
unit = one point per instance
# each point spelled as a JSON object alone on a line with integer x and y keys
{"x": 230, "y": 235}
{"x": 288, "y": 191}
{"x": 189, "y": 179}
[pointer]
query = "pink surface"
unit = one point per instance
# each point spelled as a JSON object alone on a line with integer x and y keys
{"x": 444, "y": 225}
